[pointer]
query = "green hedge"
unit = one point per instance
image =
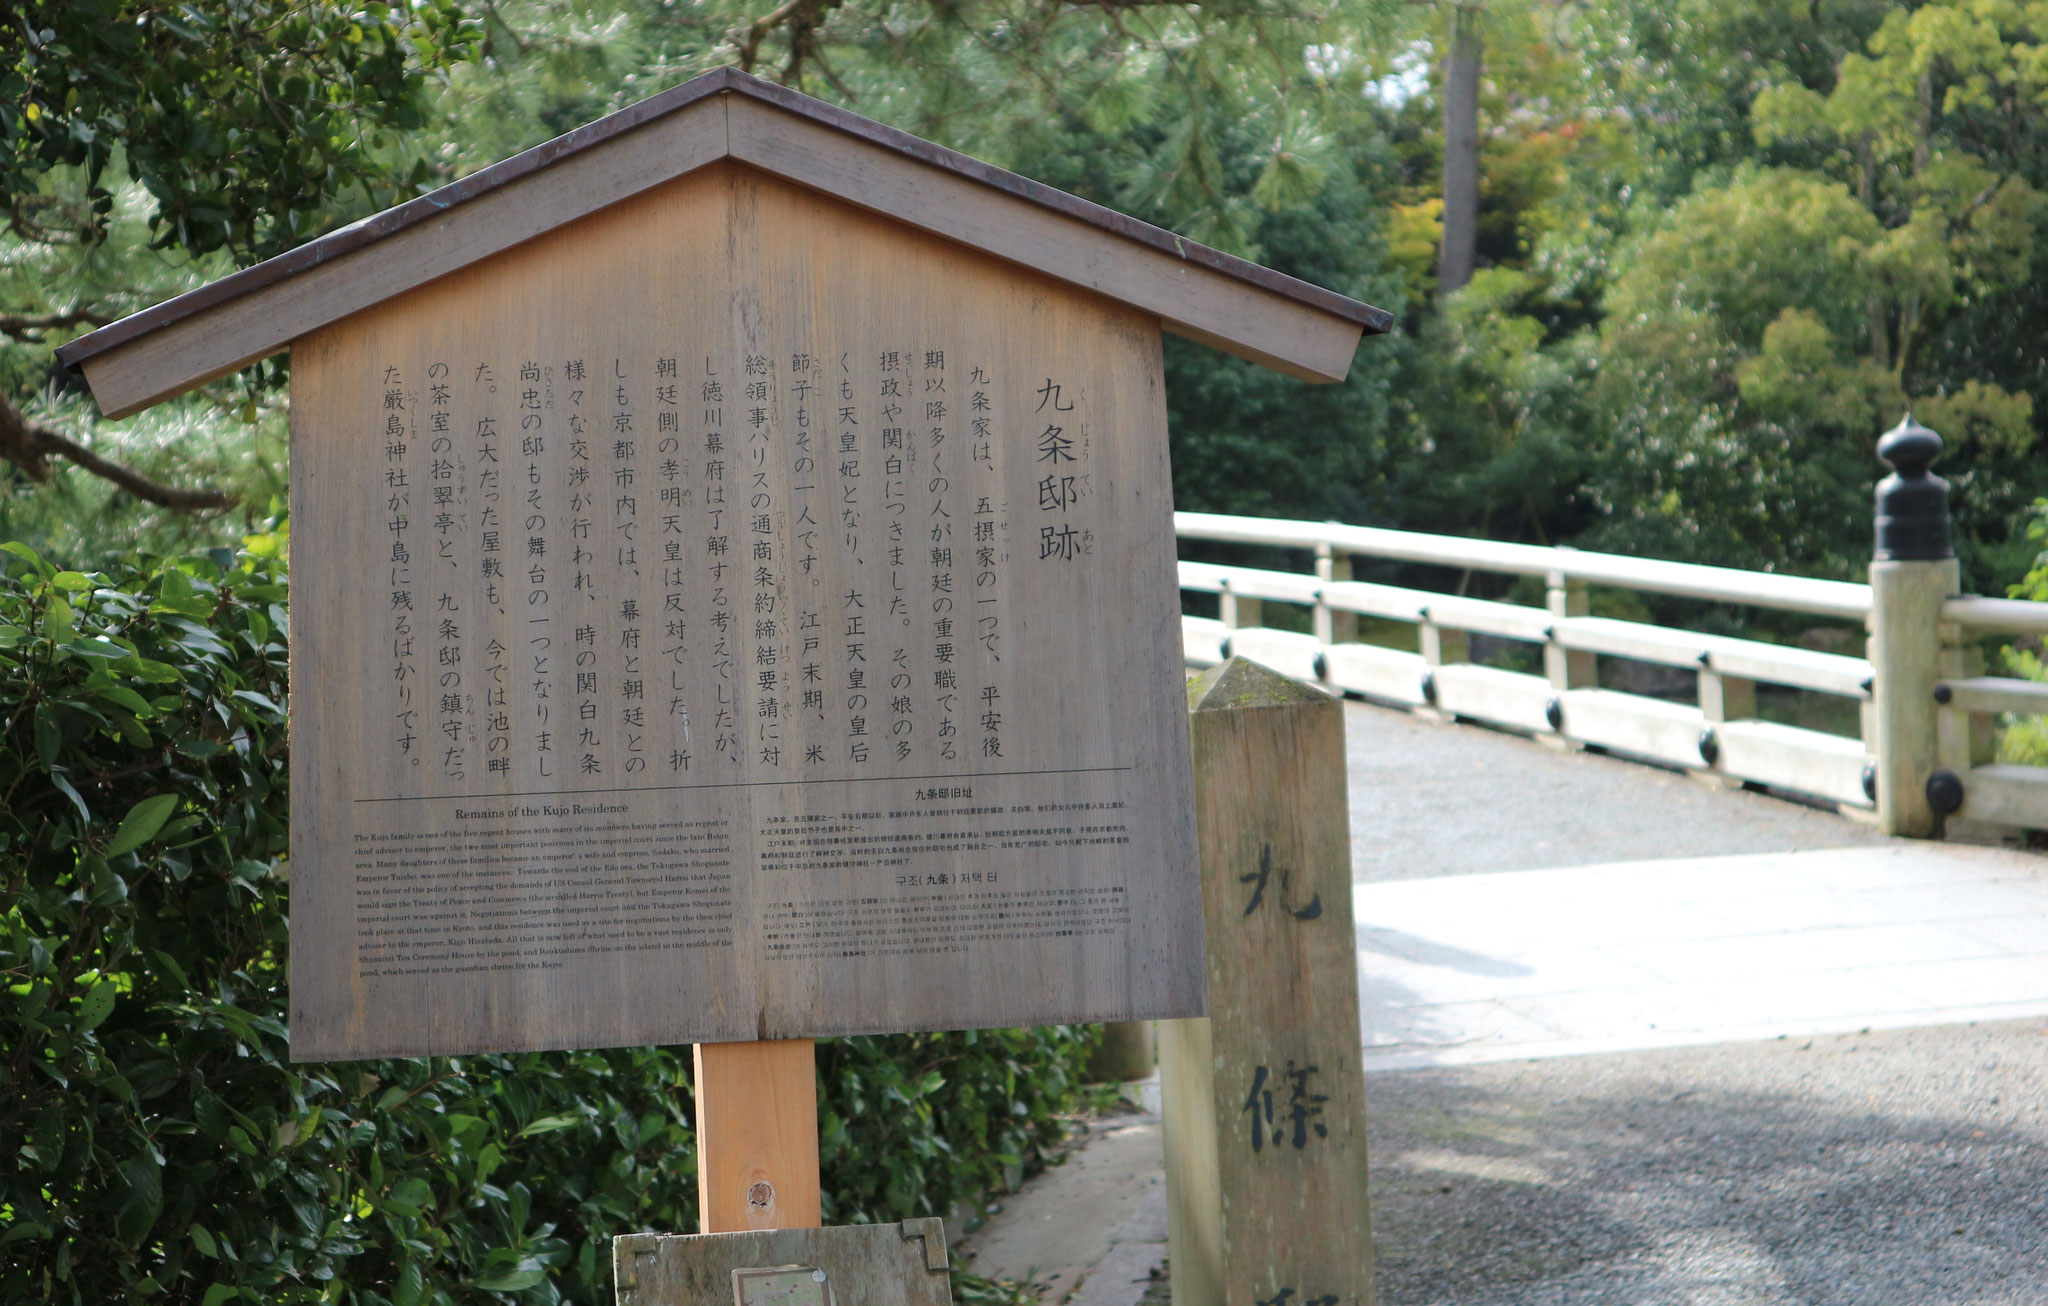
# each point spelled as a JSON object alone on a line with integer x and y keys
{"x": 157, "y": 1141}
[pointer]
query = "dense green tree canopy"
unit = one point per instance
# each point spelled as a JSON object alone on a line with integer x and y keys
{"x": 244, "y": 120}
{"x": 1720, "y": 245}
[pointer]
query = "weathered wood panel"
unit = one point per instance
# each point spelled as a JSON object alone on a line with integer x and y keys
{"x": 1994, "y": 694}
{"x": 865, "y": 1265}
{"x": 1632, "y": 723}
{"x": 1828, "y": 766}
{"x": 733, "y": 616}
{"x": 1265, "y": 1100}
{"x": 1508, "y": 698}
{"x": 2006, "y": 794}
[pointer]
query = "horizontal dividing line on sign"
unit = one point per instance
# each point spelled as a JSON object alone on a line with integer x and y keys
{"x": 733, "y": 784}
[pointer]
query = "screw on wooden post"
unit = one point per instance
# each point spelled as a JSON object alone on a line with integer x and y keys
{"x": 757, "y": 1136}
{"x": 1265, "y": 1098}
{"x": 1913, "y": 570}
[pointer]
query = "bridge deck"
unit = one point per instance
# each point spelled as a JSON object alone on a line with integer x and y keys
{"x": 1516, "y": 902}
{"x": 1430, "y": 800}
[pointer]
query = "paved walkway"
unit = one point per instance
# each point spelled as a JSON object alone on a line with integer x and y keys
{"x": 1694, "y": 950}
{"x": 1615, "y": 939}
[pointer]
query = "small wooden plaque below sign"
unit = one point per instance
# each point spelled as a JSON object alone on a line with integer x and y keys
{"x": 851, "y": 1265}
{"x": 787, "y": 1285}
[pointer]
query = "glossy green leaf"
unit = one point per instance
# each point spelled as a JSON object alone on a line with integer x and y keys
{"x": 514, "y": 1280}
{"x": 58, "y": 621}
{"x": 142, "y": 822}
{"x": 96, "y": 1005}
{"x": 49, "y": 736}
{"x": 30, "y": 556}
{"x": 156, "y": 673}
{"x": 126, "y": 697}
{"x": 142, "y": 1177}
{"x": 62, "y": 785}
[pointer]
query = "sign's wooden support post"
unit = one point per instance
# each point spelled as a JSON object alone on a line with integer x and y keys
{"x": 757, "y": 1136}
{"x": 1265, "y": 1099}
{"x": 1128, "y": 1051}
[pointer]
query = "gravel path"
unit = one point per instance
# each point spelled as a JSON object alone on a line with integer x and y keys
{"x": 1907, "y": 1168}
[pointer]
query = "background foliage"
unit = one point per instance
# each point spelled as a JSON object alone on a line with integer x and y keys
{"x": 161, "y": 1144}
{"x": 1721, "y": 245}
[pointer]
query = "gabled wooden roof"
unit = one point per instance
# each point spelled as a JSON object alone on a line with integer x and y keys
{"x": 1198, "y": 292}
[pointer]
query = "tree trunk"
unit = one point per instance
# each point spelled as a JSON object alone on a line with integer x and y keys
{"x": 1873, "y": 302}
{"x": 1461, "y": 150}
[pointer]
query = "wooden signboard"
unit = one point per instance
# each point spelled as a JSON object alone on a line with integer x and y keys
{"x": 736, "y": 617}
{"x": 734, "y": 587}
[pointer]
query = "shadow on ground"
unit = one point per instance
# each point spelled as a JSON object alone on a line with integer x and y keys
{"x": 1903, "y": 1167}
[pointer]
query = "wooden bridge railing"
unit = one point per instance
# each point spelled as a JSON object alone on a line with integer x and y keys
{"x": 1924, "y": 746}
{"x": 1968, "y": 782}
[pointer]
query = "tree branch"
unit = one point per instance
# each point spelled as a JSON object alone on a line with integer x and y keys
{"x": 26, "y": 328}
{"x": 748, "y": 38}
{"x": 31, "y": 447}
{"x": 1983, "y": 197}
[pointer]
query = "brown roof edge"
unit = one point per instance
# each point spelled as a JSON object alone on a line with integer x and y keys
{"x": 1377, "y": 321}
{"x": 368, "y": 231}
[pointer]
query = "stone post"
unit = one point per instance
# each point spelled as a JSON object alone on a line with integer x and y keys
{"x": 1265, "y": 1098}
{"x": 1913, "y": 570}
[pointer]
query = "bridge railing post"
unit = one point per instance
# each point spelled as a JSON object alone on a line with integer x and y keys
{"x": 1725, "y": 698}
{"x": 1440, "y": 646}
{"x": 1567, "y": 668}
{"x": 1332, "y": 626}
{"x": 1239, "y": 612}
{"x": 1913, "y": 570}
